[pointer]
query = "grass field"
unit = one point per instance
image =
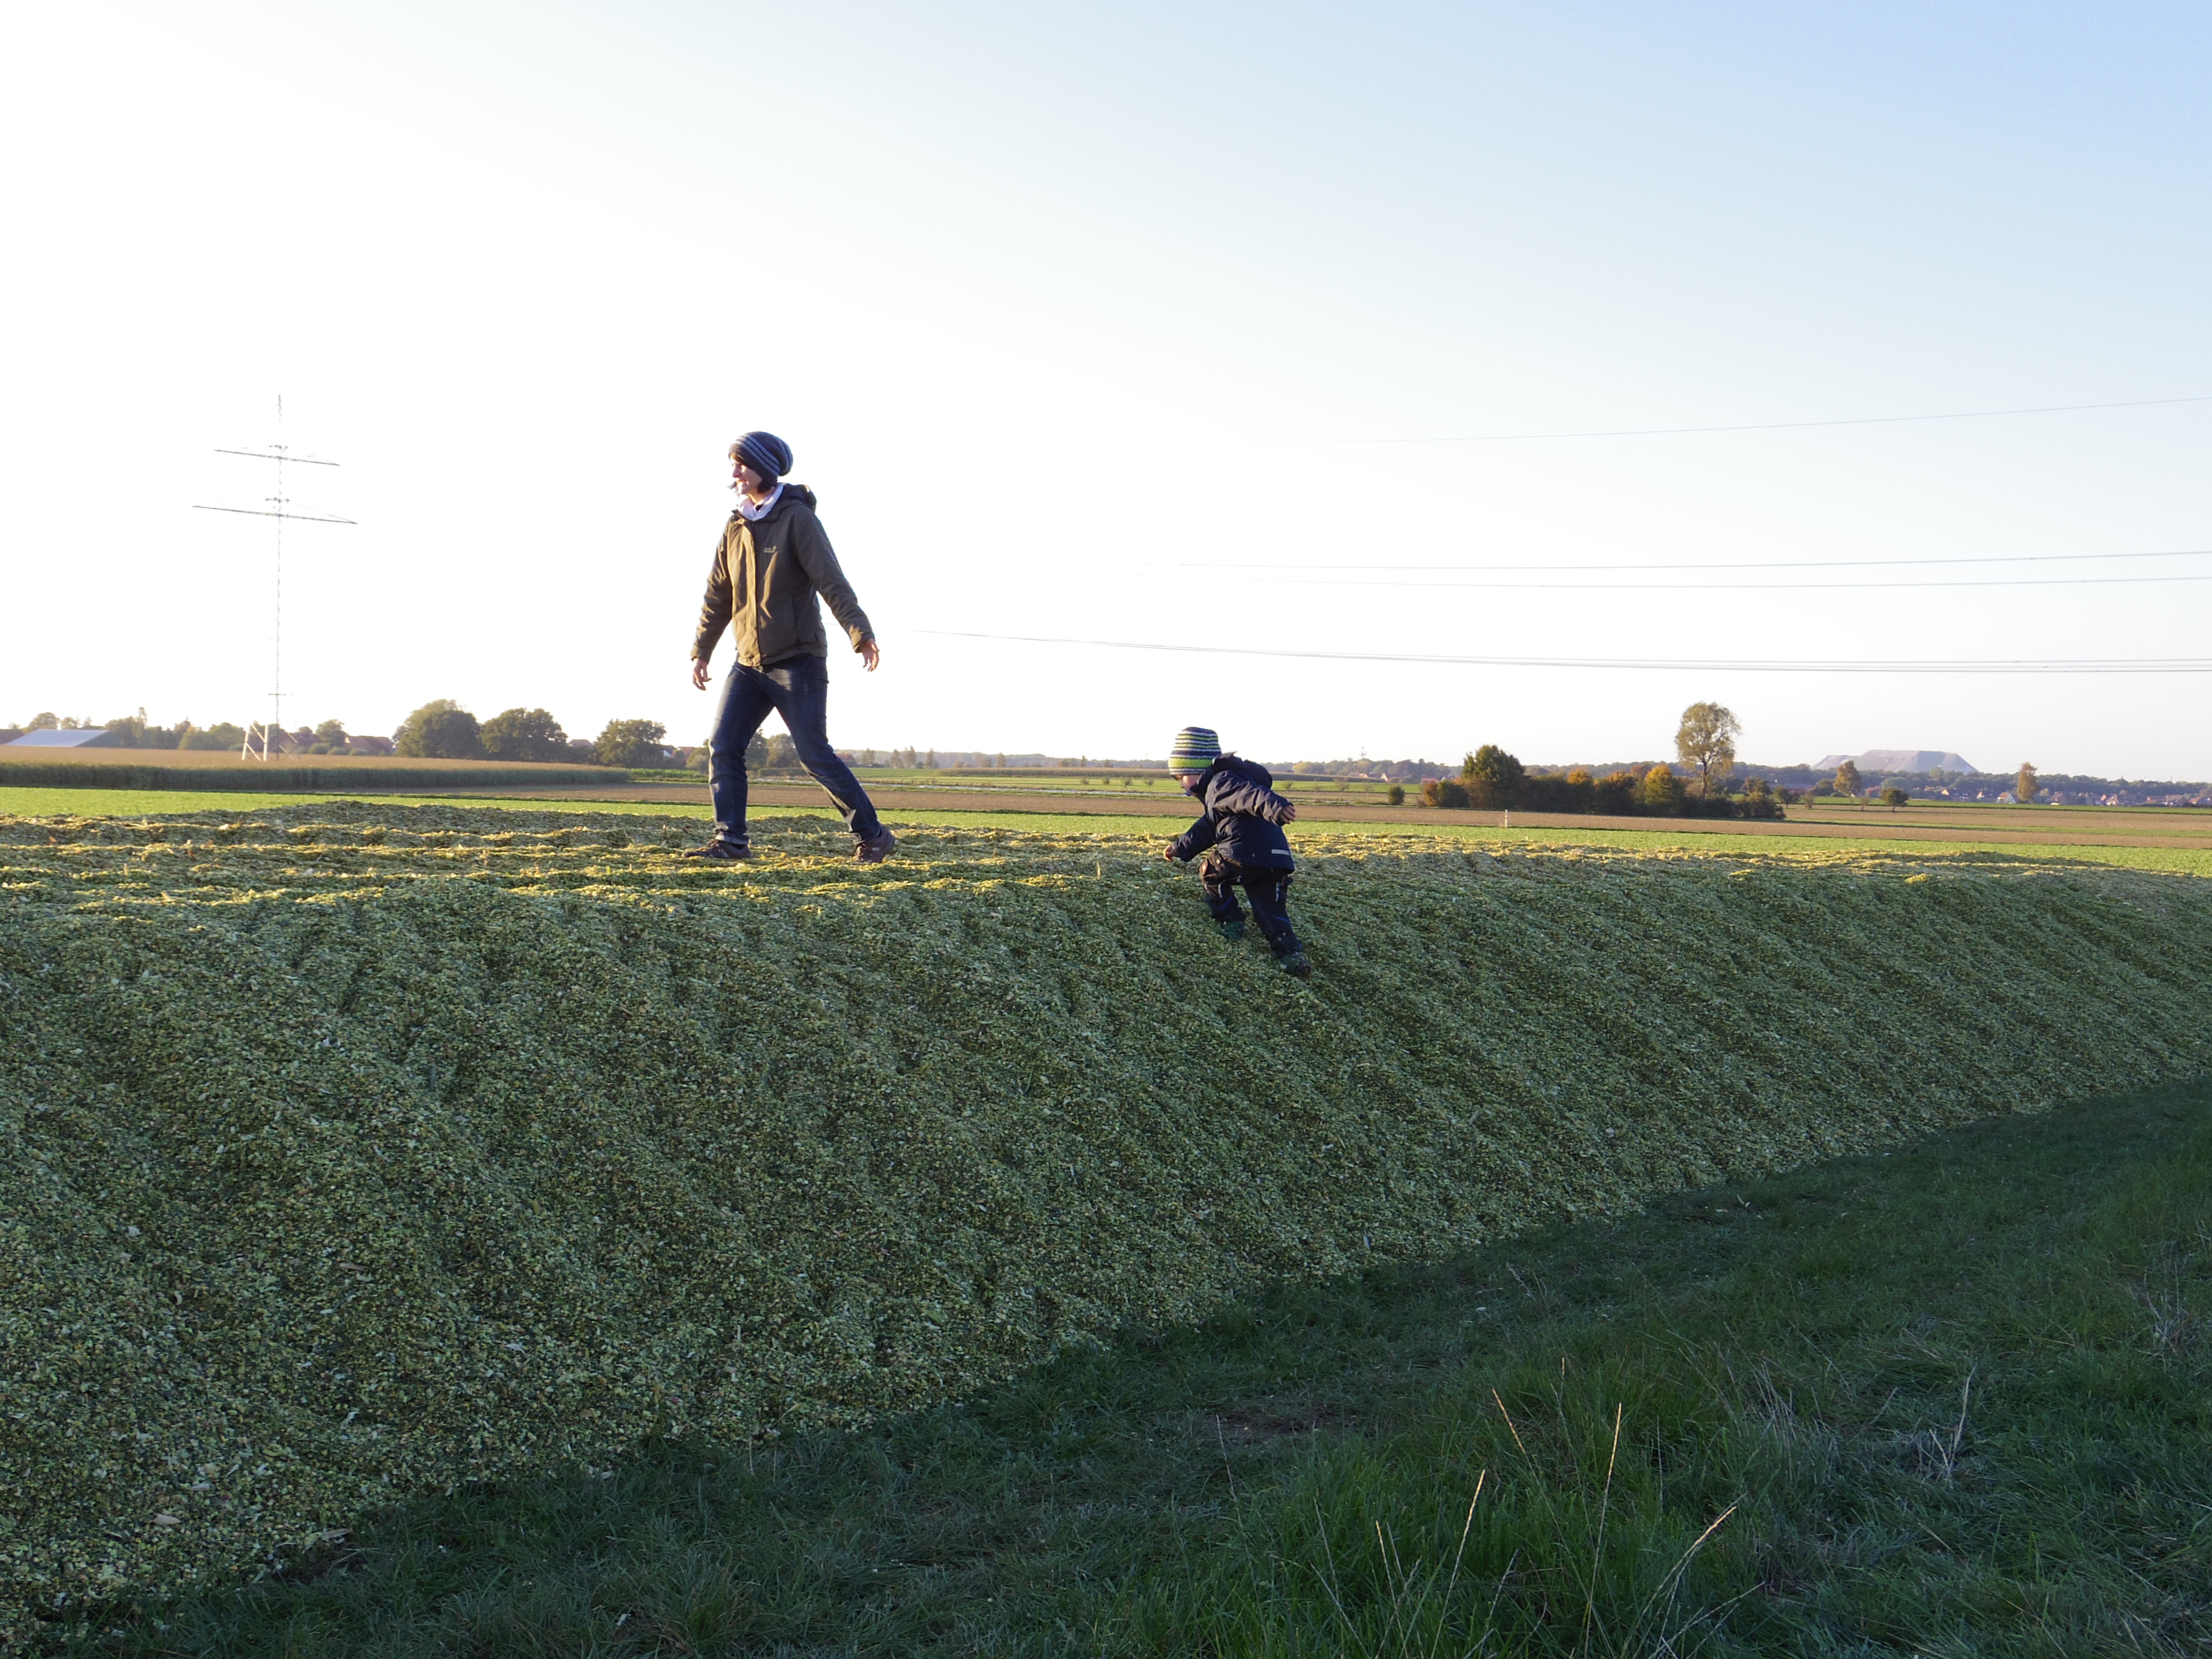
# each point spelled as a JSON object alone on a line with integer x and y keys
{"x": 358, "y": 1150}
{"x": 1173, "y": 818}
{"x": 1944, "y": 1401}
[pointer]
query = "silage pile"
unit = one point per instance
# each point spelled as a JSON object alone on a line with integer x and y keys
{"x": 355, "y": 1151}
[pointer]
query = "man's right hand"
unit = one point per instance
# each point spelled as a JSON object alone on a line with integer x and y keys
{"x": 699, "y": 675}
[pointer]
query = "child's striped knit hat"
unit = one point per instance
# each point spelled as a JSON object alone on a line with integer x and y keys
{"x": 1195, "y": 749}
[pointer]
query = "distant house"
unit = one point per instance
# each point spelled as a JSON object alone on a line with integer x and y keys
{"x": 361, "y": 745}
{"x": 85, "y": 737}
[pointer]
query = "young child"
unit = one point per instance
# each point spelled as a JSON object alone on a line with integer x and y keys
{"x": 1240, "y": 833}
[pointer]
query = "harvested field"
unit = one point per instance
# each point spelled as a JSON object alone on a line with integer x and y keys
{"x": 354, "y": 1150}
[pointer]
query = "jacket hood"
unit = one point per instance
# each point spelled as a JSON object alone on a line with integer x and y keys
{"x": 792, "y": 492}
{"x": 1236, "y": 766}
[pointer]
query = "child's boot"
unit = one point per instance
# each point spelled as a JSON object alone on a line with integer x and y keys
{"x": 1232, "y": 928}
{"x": 1294, "y": 963}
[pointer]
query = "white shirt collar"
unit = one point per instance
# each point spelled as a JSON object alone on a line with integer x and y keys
{"x": 753, "y": 514}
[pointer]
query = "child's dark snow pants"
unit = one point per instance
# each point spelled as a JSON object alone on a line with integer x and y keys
{"x": 1269, "y": 891}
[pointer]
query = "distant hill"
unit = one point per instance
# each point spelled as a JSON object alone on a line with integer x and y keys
{"x": 1900, "y": 760}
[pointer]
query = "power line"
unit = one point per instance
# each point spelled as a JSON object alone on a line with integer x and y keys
{"x": 278, "y": 507}
{"x": 264, "y": 455}
{"x": 2030, "y": 665}
{"x": 1750, "y": 564}
{"x": 1739, "y": 587}
{"x": 261, "y": 512}
{"x": 1768, "y": 426}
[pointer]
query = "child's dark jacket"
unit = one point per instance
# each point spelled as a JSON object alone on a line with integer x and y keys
{"x": 1243, "y": 817}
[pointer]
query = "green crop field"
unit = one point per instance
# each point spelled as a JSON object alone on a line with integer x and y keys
{"x": 360, "y": 1151}
{"x": 1174, "y": 816}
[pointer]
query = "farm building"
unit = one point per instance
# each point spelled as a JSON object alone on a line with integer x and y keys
{"x": 85, "y": 737}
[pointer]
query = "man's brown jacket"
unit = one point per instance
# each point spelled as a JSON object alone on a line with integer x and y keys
{"x": 765, "y": 578}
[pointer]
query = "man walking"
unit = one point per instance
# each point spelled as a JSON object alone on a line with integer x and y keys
{"x": 772, "y": 562}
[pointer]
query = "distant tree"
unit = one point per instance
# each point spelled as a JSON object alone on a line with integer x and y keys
{"x": 2025, "y": 787}
{"x": 1705, "y": 739}
{"x": 1491, "y": 776}
{"x": 933, "y": 760}
{"x": 1788, "y": 797}
{"x": 332, "y": 732}
{"x": 1760, "y": 799}
{"x": 525, "y": 734}
{"x": 148, "y": 736}
{"x": 629, "y": 742}
{"x": 221, "y": 735}
{"x": 1663, "y": 793}
{"x": 1397, "y": 794}
{"x": 440, "y": 731}
{"x": 1847, "y": 778}
{"x": 1893, "y": 797}
{"x": 45, "y": 720}
{"x": 1445, "y": 792}
{"x": 1621, "y": 791}
{"x": 782, "y": 755}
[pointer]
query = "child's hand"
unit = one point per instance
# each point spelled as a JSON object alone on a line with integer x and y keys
{"x": 1290, "y": 810}
{"x": 1167, "y": 852}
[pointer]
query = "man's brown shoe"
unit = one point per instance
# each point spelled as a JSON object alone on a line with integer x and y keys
{"x": 875, "y": 848}
{"x": 720, "y": 850}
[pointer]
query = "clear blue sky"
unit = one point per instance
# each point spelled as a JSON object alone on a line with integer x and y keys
{"x": 1053, "y": 304}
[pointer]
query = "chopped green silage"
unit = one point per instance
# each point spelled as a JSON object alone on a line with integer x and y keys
{"x": 351, "y": 1151}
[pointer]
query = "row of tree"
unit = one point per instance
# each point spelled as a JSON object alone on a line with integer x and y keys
{"x": 2025, "y": 788}
{"x": 135, "y": 731}
{"x": 1704, "y": 744}
{"x": 443, "y": 730}
{"x": 1491, "y": 779}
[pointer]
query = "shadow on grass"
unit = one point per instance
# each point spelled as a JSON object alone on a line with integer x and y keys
{"x": 1947, "y": 1400}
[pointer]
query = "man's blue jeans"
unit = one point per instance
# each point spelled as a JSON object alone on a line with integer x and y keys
{"x": 798, "y": 690}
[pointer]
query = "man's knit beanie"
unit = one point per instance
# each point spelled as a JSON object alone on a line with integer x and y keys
{"x": 1195, "y": 749}
{"x": 764, "y": 452}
